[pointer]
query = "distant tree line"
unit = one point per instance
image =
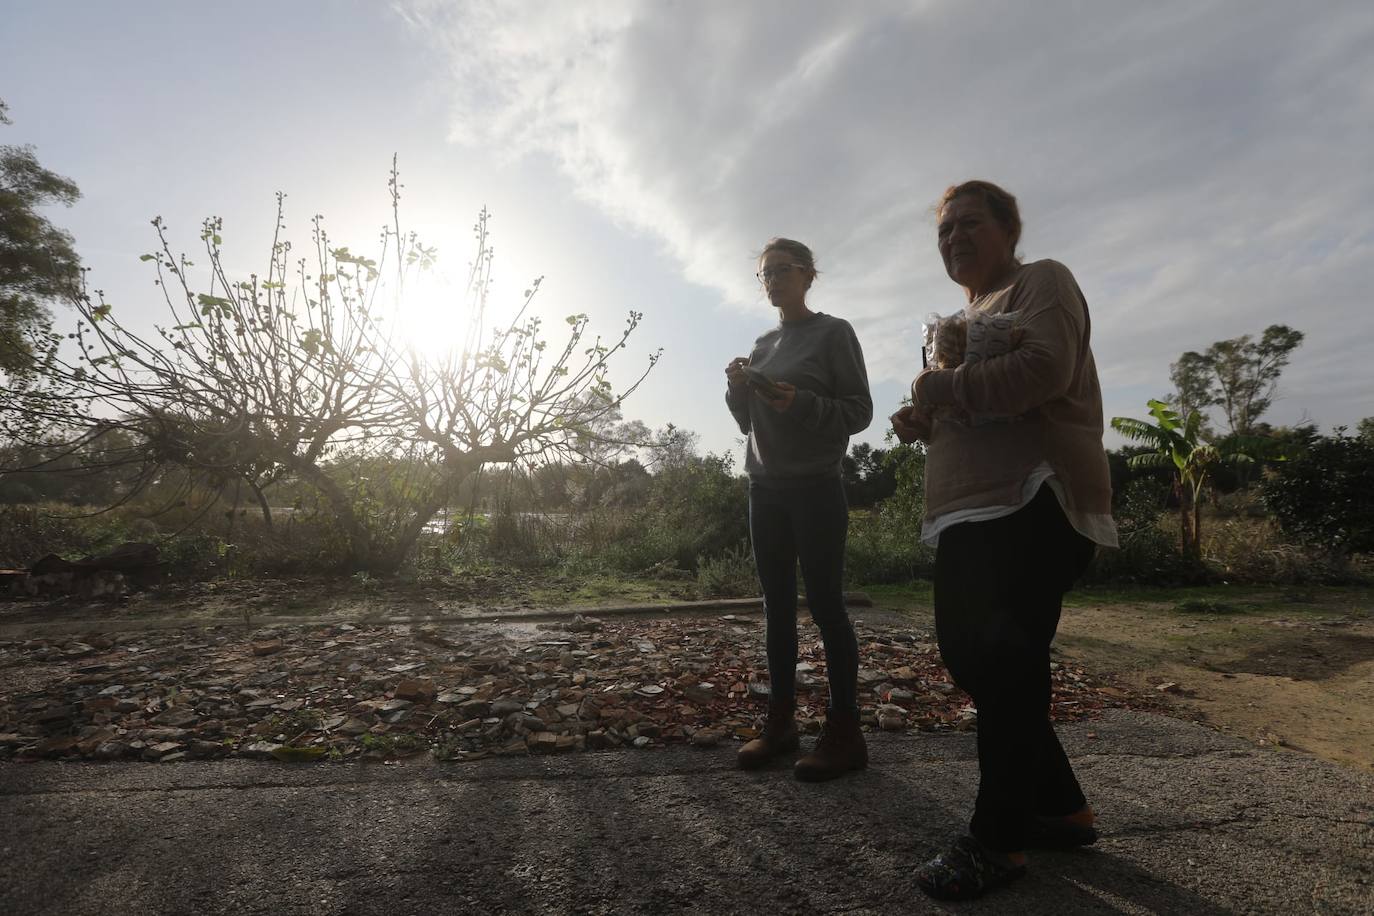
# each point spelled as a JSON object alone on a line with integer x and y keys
{"x": 290, "y": 390}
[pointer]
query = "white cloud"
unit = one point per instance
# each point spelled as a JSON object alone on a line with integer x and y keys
{"x": 1199, "y": 166}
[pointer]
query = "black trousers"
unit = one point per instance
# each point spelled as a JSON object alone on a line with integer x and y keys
{"x": 806, "y": 525}
{"x": 999, "y": 587}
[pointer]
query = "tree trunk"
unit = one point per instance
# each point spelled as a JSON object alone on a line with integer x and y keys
{"x": 458, "y": 471}
{"x": 1187, "y": 520}
{"x": 234, "y": 509}
{"x": 1197, "y": 529}
{"x": 262, "y": 503}
{"x": 359, "y": 539}
{"x": 1182, "y": 492}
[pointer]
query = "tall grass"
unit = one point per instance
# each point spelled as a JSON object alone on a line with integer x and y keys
{"x": 691, "y": 536}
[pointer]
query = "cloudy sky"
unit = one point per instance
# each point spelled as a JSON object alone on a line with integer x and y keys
{"x": 1202, "y": 167}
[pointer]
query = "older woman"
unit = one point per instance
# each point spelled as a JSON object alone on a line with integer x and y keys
{"x": 1017, "y": 495}
{"x": 799, "y": 396}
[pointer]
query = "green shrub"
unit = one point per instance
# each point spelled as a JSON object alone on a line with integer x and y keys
{"x": 521, "y": 539}
{"x": 704, "y": 501}
{"x": 654, "y": 546}
{"x": 195, "y": 555}
{"x": 30, "y": 532}
{"x": 1325, "y": 495}
{"x": 730, "y": 575}
{"x": 886, "y": 550}
{"x": 1235, "y": 548}
{"x": 885, "y": 545}
{"x": 696, "y": 509}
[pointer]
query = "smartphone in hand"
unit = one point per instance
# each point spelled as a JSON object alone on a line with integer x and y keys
{"x": 762, "y": 383}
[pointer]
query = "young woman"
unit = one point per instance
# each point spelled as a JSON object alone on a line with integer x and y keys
{"x": 799, "y": 396}
{"x": 1014, "y": 506}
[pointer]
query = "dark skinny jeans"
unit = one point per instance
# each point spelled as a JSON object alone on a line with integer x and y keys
{"x": 999, "y": 587}
{"x": 808, "y": 524}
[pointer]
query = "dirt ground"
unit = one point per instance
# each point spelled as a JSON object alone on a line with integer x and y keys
{"x": 1294, "y": 670}
{"x": 1285, "y": 667}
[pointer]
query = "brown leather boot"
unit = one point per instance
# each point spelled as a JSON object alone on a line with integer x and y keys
{"x": 779, "y": 737}
{"x": 839, "y": 749}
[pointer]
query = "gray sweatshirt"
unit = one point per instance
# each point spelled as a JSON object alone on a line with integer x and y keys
{"x": 821, "y": 356}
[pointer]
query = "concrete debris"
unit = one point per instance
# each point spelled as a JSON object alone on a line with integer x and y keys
{"x": 343, "y": 690}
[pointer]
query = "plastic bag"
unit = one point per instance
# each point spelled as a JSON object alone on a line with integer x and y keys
{"x": 966, "y": 338}
{"x": 990, "y": 336}
{"x": 944, "y": 340}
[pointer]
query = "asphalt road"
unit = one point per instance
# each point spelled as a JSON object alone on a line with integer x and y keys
{"x": 1193, "y": 822}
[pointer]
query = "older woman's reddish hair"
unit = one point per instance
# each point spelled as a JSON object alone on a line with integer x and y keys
{"x": 1000, "y": 203}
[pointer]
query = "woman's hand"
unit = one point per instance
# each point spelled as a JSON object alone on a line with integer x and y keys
{"x": 734, "y": 372}
{"x": 910, "y": 423}
{"x": 784, "y": 400}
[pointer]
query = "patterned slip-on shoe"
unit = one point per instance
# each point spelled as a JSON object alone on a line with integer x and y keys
{"x": 966, "y": 870}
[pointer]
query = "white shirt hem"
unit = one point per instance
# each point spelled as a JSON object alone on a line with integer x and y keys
{"x": 1098, "y": 528}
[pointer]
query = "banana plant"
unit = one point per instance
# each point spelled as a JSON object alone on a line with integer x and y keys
{"x": 1178, "y": 445}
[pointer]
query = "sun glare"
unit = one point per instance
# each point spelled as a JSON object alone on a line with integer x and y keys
{"x": 433, "y": 313}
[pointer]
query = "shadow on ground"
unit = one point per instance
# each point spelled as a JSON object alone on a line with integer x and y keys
{"x": 1193, "y": 822}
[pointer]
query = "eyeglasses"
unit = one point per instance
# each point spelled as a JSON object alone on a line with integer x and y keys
{"x": 769, "y": 273}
